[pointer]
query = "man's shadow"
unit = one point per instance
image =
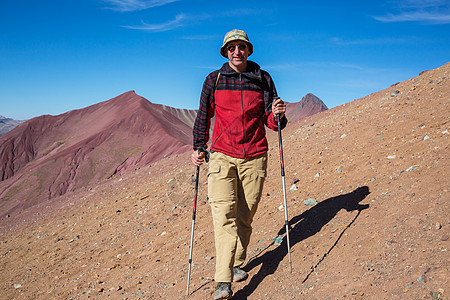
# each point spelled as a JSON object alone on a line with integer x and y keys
{"x": 302, "y": 227}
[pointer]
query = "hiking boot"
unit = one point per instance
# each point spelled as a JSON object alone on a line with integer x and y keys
{"x": 223, "y": 291}
{"x": 239, "y": 274}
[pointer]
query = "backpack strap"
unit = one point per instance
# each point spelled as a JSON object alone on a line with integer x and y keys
{"x": 217, "y": 80}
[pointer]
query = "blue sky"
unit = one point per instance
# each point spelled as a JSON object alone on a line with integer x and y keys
{"x": 60, "y": 55}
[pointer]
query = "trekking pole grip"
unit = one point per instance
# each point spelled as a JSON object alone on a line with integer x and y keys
{"x": 280, "y": 144}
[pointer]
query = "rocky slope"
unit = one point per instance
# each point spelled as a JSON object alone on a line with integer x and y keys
{"x": 367, "y": 190}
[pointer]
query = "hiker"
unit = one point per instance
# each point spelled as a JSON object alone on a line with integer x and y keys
{"x": 241, "y": 97}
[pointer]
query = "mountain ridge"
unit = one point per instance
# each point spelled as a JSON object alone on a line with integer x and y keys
{"x": 7, "y": 124}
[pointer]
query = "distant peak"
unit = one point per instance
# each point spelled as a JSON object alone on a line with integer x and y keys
{"x": 132, "y": 92}
{"x": 309, "y": 95}
{"x": 129, "y": 95}
{"x": 313, "y": 98}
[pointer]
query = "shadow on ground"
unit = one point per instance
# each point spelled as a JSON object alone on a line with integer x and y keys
{"x": 302, "y": 227}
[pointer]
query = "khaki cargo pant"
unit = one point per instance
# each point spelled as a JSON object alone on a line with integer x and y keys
{"x": 234, "y": 190}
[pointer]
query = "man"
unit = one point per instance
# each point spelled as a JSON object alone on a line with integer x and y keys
{"x": 241, "y": 97}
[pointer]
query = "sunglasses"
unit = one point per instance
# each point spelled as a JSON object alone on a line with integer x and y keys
{"x": 241, "y": 47}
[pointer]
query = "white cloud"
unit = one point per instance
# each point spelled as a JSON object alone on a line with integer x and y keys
{"x": 180, "y": 20}
{"x": 184, "y": 20}
{"x": 134, "y": 5}
{"x": 372, "y": 41}
{"x": 425, "y": 11}
{"x": 417, "y": 16}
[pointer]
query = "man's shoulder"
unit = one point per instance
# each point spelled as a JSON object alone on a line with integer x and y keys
{"x": 211, "y": 79}
{"x": 223, "y": 69}
{"x": 213, "y": 73}
{"x": 255, "y": 68}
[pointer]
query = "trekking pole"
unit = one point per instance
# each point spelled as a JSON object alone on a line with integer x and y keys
{"x": 280, "y": 143}
{"x": 193, "y": 223}
{"x": 192, "y": 229}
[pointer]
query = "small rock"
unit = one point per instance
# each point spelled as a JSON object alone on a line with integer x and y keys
{"x": 412, "y": 168}
{"x": 343, "y": 136}
{"x": 171, "y": 180}
{"x": 395, "y": 93}
{"x": 295, "y": 180}
{"x": 16, "y": 286}
{"x": 278, "y": 240}
{"x": 339, "y": 170}
{"x": 445, "y": 132}
{"x": 436, "y": 295}
{"x": 74, "y": 239}
{"x": 293, "y": 188}
{"x": 426, "y": 138}
{"x": 281, "y": 208}
{"x": 392, "y": 156}
{"x": 310, "y": 202}
{"x": 438, "y": 226}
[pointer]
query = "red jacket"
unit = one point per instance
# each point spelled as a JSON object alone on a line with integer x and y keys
{"x": 242, "y": 106}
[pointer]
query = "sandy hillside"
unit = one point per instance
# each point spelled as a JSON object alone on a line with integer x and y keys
{"x": 374, "y": 173}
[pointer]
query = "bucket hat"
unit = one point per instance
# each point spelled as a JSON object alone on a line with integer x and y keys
{"x": 233, "y": 35}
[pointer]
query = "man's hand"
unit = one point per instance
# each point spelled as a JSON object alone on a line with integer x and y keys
{"x": 198, "y": 158}
{"x": 278, "y": 107}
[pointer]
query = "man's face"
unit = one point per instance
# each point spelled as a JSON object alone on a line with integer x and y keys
{"x": 237, "y": 54}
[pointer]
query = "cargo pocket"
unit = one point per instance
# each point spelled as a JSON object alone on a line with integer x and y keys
{"x": 253, "y": 188}
{"x": 214, "y": 169}
{"x": 213, "y": 174}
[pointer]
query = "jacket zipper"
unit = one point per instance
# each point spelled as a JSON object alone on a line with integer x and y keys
{"x": 243, "y": 115}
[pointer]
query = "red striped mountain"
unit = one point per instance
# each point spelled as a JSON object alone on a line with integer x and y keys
{"x": 49, "y": 156}
{"x": 308, "y": 106}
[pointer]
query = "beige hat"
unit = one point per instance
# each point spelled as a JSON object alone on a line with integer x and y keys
{"x": 233, "y": 35}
